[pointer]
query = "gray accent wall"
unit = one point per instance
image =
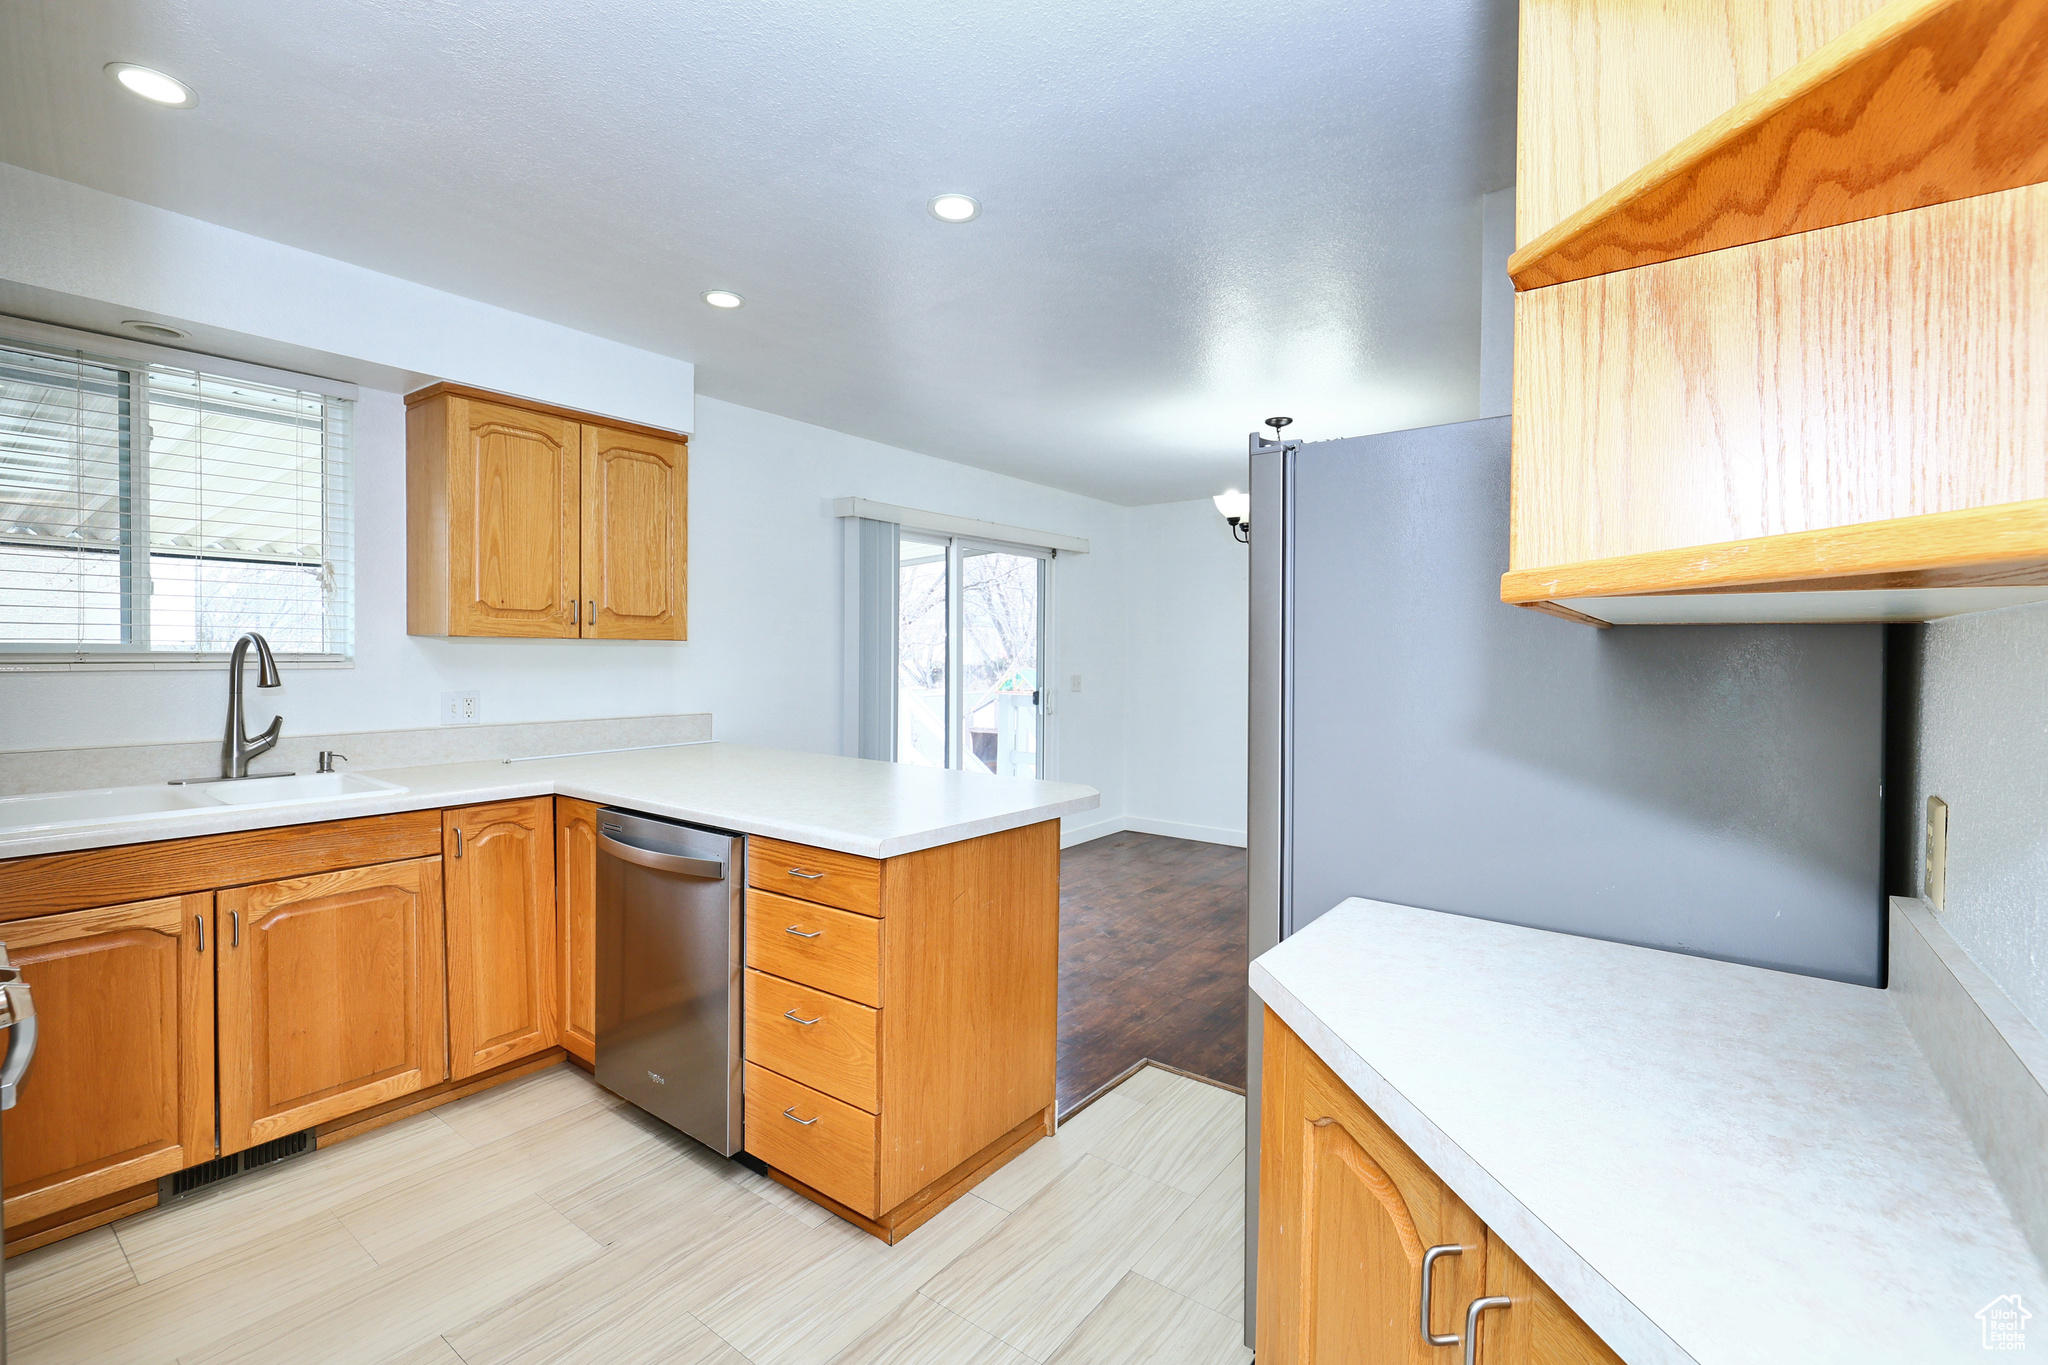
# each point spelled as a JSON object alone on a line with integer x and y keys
{"x": 1706, "y": 789}
{"x": 1975, "y": 733}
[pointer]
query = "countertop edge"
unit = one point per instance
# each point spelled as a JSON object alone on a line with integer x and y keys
{"x": 514, "y": 787}
{"x": 1612, "y": 1315}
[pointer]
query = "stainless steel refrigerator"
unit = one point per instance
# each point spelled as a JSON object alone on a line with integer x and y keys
{"x": 1705, "y": 789}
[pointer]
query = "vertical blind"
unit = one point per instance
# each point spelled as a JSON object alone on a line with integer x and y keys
{"x": 152, "y": 510}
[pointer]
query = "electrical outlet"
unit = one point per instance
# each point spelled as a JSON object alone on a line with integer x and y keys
{"x": 460, "y": 708}
{"x": 1076, "y": 684}
{"x": 1937, "y": 850}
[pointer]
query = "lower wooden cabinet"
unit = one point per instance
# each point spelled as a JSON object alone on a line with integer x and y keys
{"x": 500, "y": 862}
{"x": 576, "y": 923}
{"x": 330, "y": 997}
{"x": 121, "y": 1090}
{"x": 1347, "y": 1217}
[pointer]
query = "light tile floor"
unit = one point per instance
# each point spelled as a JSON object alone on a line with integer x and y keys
{"x": 546, "y": 1221}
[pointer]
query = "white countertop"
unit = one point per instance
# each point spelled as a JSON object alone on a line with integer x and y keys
{"x": 1710, "y": 1163}
{"x": 852, "y": 805}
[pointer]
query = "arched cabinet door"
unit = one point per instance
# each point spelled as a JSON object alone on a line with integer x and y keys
{"x": 1346, "y": 1215}
{"x": 330, "y": 996}
{"x": 121, "y": 1088}
{"x": 635, "y": 535}
{"x": 500, "y": 861}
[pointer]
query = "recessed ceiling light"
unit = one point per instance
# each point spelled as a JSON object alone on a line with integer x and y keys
{"x": 155, "y": 331}
{"x": 955, "y": 208}
{"x": 722, "y": 298}
{"x": 151, "y": 85}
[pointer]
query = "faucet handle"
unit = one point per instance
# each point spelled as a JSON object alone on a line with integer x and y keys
{"x": 327, "y": 757}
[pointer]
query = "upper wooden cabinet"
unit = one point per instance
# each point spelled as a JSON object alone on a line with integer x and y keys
{"x": 501, "y": 933}
{"x": 1780, "y": 269}
{"x": 525, "y": 520}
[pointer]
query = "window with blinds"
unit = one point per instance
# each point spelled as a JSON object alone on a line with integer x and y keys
{"x": 149, "y": 511}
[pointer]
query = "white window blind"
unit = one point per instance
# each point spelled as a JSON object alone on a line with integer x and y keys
{"x": 156, "y": 512}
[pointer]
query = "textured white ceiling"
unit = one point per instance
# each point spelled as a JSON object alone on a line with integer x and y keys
{"x": 1197, "y": 213}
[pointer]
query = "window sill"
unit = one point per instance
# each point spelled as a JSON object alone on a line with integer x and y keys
{"x": 131, "y": 663}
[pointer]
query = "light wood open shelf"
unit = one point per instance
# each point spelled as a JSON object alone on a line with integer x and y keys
{"x": 1908, "y": 568}
{"x": 1921, "y": 103}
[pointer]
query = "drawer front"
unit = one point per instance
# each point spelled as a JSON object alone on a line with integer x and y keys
{"x": 833, "y": 950}
{"x": 833, "y": 1152}
{"x": 816, "y": 874}
{"x": 834, "y": 1052}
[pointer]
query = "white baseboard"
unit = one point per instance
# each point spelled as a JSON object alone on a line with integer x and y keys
{"x": 1170, "y": 829}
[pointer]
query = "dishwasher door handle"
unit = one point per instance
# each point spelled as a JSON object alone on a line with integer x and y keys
{"x": 704, "y": 869}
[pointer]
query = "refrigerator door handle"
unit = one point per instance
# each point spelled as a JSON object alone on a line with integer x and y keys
{"x": 704, "y": 869}
{"x": 21, "y": 1038}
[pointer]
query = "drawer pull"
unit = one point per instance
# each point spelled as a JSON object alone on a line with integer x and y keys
{"x": 807, "y": 876}
{"x": 792, "y": 929}
{"x": 790, "y": 1114}
{"x": 791, "y": 1014}
{"x": 1472, "y": 1312}
{"x": 1428, "y": 1277}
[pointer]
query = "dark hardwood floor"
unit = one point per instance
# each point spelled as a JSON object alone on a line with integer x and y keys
{"x": 1153, "y": 949}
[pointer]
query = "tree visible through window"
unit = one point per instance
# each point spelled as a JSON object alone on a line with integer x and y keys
{"x": 973, "y": 702}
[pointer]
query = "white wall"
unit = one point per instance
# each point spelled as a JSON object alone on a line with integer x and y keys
{"x": 1983, "y": 748}
{"x": 1185, "y": 699}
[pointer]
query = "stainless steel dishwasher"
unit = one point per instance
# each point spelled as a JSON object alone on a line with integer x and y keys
{"x": 669, "y": 901}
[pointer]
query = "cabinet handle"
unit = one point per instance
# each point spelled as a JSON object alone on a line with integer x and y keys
{"x": 792, "y": 1014}
{"x": 790, "y": 1114}
{"x": 236, "y": 916}
{"x": 458, "y": 843}
{"x": 575, "y": 611}
{"x": 807, "y": 876}
{"x": 1472, "y": 1312}
{"x": 1429, "y": 1258}
{"x": 593, "y": 611}
{"x": 200, "y": 920}
{"x": 792, "y": 929}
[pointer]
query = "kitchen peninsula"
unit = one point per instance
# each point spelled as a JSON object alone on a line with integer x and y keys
{"x": 366, "y": 957}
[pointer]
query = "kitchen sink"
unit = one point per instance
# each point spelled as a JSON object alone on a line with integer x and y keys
{"x": 114, "y": 805}
{"x": 278, "y": 791}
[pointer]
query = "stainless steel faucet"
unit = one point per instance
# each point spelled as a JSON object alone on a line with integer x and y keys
{"x": 237, "y": 749}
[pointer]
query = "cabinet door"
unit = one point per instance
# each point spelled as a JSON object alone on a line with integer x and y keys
{"x": 1537, "y": 1328}
{"x": 121, "y": 1088}
{"x": 501, "y": 932}
{"x": 1346, "y": 1212}
{"x": 576, "y": 916}
{"x": 330, "y": 997}
{"x": 635, "y": 535}
{"x": 512, "y": 525}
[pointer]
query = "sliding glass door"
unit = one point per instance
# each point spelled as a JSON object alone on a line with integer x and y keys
{"x": 969, "y": 644}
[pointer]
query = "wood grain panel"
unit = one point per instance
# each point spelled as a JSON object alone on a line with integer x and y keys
{"x": 2003, "y": 545}
{"x": 1345, "y": 1214}
{"x": 332, "y": 1000}
{"x": 1605, "y": 88}
{"x": 500, "y": 868}
{"x": 836, "y": 1051}
{"x": 51, "y": 883}
{"x": 1922, "y": 102}
{"x": 815, "y": 874}
{"x": 971, "y": 972}
{"x": 842, "y": 953}
{"x": 635, "y": 535}
{"x": 833, "y": 1153}
{"x": 121, "y": 1088}
{"x": 576, "y": 923}
{"x": 1537, "y": 1329}
{"x": 513, "y": 528}
{"x": 1868, "y": 372}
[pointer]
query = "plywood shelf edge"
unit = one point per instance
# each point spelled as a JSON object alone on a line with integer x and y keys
{"x": 2001, "y": 545}
{"x": 1923, "y": 102}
